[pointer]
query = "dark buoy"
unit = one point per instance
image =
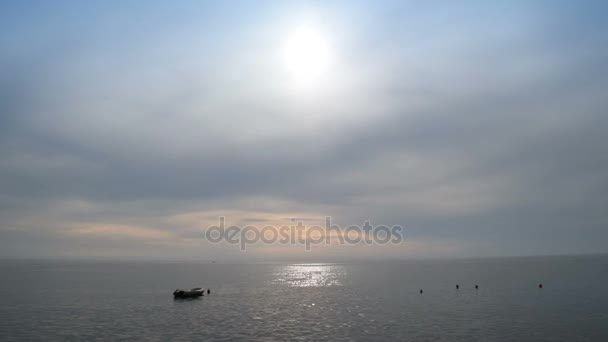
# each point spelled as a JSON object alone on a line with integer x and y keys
{"x": 476, "y": 286}
{"x": 208, "y": 291}
{"x": 540, "y": 286}
{"x": 421, "y": 291}
{"x": 457, "y": 286}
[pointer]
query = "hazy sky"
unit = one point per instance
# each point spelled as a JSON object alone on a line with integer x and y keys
{"x": 128, "y": 127}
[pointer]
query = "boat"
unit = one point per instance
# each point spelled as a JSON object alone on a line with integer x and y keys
{"x": 192, "y": 293}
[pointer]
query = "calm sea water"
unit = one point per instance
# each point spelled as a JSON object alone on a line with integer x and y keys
{"x": 276, "y": 302}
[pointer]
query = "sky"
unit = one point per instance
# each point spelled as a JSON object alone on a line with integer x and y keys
{"x": 128, "y": 127}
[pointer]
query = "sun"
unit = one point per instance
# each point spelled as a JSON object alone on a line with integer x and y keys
{"x": 306, "y": 55}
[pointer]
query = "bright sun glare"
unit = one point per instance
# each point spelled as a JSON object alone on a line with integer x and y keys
{"x": 306, "y": 55}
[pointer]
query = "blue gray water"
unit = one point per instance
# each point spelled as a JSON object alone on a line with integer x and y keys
{"x": 276, "y": 302}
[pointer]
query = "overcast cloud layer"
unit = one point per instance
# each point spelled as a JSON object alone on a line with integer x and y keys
{"x": 126, "y": 128}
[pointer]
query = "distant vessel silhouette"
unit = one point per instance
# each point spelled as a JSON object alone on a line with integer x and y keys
{"x": 192, "y": 293}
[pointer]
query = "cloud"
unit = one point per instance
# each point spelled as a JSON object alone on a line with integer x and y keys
{"x": 481, "y": 132}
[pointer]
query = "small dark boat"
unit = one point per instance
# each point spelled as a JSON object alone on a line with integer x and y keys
{"x": 192, "y": 293}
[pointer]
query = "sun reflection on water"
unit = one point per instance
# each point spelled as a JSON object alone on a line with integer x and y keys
{"x": 310, "y": 275}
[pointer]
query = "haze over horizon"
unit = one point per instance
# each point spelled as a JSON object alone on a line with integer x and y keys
{"x": 128, "y": 128}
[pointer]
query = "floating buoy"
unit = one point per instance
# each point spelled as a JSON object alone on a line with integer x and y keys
{"x": 540, "y": 286}
{"x": 476, "y": 286}
{"x": 420, "y": 291}
{"x": 457, "y": 286}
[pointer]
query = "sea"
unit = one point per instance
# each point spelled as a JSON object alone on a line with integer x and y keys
{"x": 358, "y": 301}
